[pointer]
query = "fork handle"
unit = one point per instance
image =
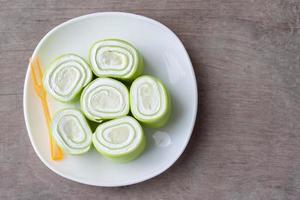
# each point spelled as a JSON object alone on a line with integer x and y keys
{"x": 56, "y": 152}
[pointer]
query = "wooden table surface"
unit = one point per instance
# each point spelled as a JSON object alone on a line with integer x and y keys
{"x": 246, "y": 141}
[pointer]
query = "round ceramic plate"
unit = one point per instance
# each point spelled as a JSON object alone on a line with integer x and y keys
{"x": 165, "y": 57}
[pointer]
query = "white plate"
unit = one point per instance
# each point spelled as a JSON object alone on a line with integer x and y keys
{"x": 165, "y": 57}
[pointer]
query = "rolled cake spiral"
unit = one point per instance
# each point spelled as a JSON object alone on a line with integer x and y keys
{"x": 115, "y": 58}
{"x": 120, "y": 139}
{"x": 150, "y": 101}
{"x": 66, "y": 76}
{"x": 71, "y": 131}
{"x": 105, "y": 98}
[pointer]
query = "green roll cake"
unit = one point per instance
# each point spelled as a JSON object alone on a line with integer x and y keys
{"x": 71, "y": 131}
{"x": 121, "y": 139}
{"x": 150, "y": 101}
{"x": 66, "y": 76}
{"x": 105, "y": 98}
{"x": 115, "y": 58}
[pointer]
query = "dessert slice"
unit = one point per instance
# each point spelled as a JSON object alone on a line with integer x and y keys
{"x": 71, "y": 131}
{"x": 120, "y": 139}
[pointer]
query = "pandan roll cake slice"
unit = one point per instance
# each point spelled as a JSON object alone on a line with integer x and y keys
{"x": 66, "y": 77}
{"x": 116, "y": 58}
{"x": 71, "y": 131}
{"x": 105, "y": 98}
{"x": 120, "y": 139}
{"x": 150, "y": 101}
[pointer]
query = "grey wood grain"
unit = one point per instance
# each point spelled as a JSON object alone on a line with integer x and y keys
{"x": 246, "y": 141}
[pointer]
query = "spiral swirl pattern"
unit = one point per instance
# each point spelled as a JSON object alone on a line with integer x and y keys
{"x": 115, "y": 58}
{"x": 71, "y": 131}
{"x": 120, "y": 139}
{"x": 149, "y": 101}
{"x": 66, "y": 76}
{"x": 105, "y": 98}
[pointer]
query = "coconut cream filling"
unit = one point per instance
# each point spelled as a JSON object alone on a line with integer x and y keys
{"x": 67, "y": 76}
{"x": 105, "y": 99}
{"x": 72, "y": 131}
{"x": 149, "y": 97}
{"x": 66, "y": 79}
{"x": 113, "y": 57}
{"x": 118, "y": 136}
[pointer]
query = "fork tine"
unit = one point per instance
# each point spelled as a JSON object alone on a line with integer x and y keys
{"x": 33, "y": 72}
{"x": 39, "y": 70}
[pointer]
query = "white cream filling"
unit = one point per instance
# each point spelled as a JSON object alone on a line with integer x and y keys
{"x": 119, "y": 136}
{"x": 113, "y": 58}
{"x": 67, "y": 76}
{"x": 105, "y": 98}
{"x": 71, "y": 129}
{"x": 149, "y": 97}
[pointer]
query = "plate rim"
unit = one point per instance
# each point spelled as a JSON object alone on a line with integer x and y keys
{"x": 26, "y": 113}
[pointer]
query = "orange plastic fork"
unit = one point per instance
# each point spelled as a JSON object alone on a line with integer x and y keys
{"x": 37, "y": 77}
